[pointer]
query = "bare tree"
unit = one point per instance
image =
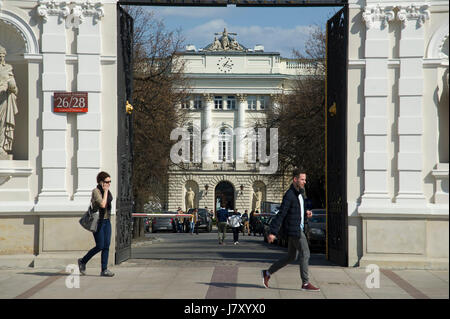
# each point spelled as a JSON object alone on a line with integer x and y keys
{"x": 300, "y": 120}
{"x": 159, "y": 88}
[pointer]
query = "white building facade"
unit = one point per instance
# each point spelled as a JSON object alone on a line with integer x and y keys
{"x": 232, "y": 88}
{"x": 46, "y": 184}
{"x": 397, "y": 133}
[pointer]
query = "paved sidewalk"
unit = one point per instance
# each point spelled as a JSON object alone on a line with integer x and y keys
{"x": 218, "y": 280}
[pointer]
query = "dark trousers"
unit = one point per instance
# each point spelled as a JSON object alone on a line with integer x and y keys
{"x": 295, "y": 244}
{"x": 102, "y": 241}
{"x": 235, "y": 234}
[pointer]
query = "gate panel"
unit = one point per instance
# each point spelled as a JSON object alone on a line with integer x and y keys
{"x": 336, "y": 138}
{"x": 124, "y": 203}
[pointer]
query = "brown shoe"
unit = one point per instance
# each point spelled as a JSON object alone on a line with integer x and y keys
{"x": 266, "y": 277}
{"x": 309, "y": 287}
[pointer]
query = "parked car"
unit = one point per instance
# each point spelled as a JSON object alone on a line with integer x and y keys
{"x": 316, "y": 231}
{"x": 163, "y": 223}
{"x": 204, "y": 217}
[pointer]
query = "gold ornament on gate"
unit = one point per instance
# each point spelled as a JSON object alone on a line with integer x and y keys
{"x": 333, "y": 109}
{"x": 128, "y": 108}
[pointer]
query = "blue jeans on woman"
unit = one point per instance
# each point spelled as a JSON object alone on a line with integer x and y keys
{"x": 102, "y": 241}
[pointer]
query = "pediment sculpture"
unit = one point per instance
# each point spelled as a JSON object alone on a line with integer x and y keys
{"x": 225, "y": 43}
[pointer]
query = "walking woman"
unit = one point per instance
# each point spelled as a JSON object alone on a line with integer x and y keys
{"x": 101, "y": 199}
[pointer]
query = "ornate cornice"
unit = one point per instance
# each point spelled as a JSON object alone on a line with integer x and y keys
{"x": 74, "y": 13}
{"x": 52, "y": 8}
{"x": 376, "y": 13}
{"x": 413, "y": 12}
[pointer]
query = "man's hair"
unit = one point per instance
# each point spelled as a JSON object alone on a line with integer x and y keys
{"x": 297, "y": 171}
{"x": 102, "y": 176}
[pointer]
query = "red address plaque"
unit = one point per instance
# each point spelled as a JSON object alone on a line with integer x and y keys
{"x": 75, "y": 102}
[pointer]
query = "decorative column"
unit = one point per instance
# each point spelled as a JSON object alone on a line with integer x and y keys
{"x": 410, "y": 122}
{"x": 240, "y": 131}
{"x": 89, "y": 80}
{"x": 376, "y": 91}
{"x": 54, "y": 126}
{"x": 207, "y": 136}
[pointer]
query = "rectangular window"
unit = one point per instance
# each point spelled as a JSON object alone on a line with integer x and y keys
{"x": 198, "y": 102}
{"x": 231, "y": 103}
{"x": 262, "y": 101}
{"x": 185, "y": 103}
{"x": 251, "y": 100}
{"x": 218, "y": 103}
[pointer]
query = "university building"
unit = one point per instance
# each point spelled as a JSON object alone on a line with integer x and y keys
{"x": 232, "y": 87}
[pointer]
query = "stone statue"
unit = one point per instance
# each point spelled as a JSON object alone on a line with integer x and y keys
{"x": 225, "y": 40}
{"x": 216, "y": 45}
{"x": 235, "y": 45}
{"x": 258, "y": 199}
{"x": 8, "y": 106}
{"x": 217, "y": 203}
{"x": 190, "y": 199}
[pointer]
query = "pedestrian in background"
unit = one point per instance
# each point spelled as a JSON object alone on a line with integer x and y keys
{"x": 101, "y": 200}
{"x": 245, "y": 221}
{"x": 222, "y": 218}
{"x": 196, "y": 220}
{"x": 235, "y": 223}
{"x": 179, "y": 221}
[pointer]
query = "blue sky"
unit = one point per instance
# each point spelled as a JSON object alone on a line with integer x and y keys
{"x": 277, "y": 29}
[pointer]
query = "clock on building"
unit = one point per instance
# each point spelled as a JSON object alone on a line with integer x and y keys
{"x": 225, "y": 64}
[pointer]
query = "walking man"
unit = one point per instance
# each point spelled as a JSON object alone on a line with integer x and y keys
{"x": 222, "y": 217}
{"x": 292, "y": 217}
{"x": 235, "y": 223}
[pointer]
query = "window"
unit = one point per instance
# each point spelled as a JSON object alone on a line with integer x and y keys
{"x": 218, "y": 103}
{"x": 225, "y": 145}
{"x": 262, "y": 101}
{"x": 198, "y": 102}
{"x": 231, "y": 103}
{"x": 251, "y": 102}
{"x": 185, "y": 103}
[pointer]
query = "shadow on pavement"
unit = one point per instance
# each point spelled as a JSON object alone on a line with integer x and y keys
{"x": 238, "y": 285}
{"x": 44, "y": 274}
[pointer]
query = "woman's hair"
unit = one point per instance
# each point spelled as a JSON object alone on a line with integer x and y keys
{"x": 102, "y": 176}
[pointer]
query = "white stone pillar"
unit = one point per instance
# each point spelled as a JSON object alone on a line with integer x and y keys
{"x": 89, "y": 80}
{"x": 207, "y": 160}
{"x": 376, "y": 91}
{"x": 54, "y": 125}
{"x": 410, "y": 122}
{"x": 240, "y": 131}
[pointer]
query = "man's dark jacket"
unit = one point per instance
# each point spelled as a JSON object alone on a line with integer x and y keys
{"x": 288, "y": 216}
{"x": 222, "y": 215}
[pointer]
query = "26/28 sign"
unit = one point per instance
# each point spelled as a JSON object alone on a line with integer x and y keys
{"x": 76, "y": 102}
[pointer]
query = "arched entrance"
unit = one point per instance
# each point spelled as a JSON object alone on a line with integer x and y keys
{"x": 224, "y": 194}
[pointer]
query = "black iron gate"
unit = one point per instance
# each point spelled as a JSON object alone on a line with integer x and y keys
{"x": 336, "y": 138}
{"x": 124, "y": 203}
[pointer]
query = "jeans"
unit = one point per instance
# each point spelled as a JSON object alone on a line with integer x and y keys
{"x": 235, "y": 234}
{"x": 192, "y": 227}
{"x": 295, "y": 244}
{"x": 222, "y": 227}
{"x": 102, "y": 241}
